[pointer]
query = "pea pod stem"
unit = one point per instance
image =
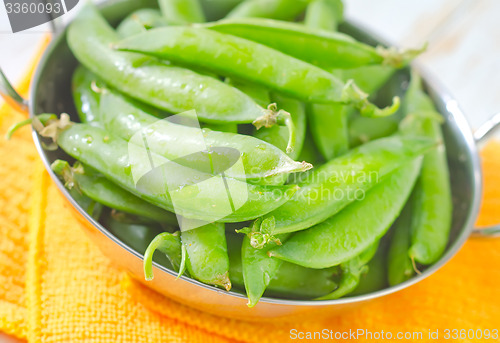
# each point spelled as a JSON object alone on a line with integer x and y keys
{"x": 170, "y": 245}
{"x": 247, "y": 60}
{"x": 272, "y": 117}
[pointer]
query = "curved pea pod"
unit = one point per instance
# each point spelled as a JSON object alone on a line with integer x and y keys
{"x": 325, "y": 49}
{"x": 432, "y": 206}
{"x": 399, "y": 264}
{"x": 90, "y": 206}
{"x": 276, "y": 9}
{"x": 324, "y": 14}
{"x": 85, "y": 85}
{"x": 330, "y": 188}
{"x": 170, "y": 245}
{"x": 207, "y": 259}
{"x": 161, "y": 182}
{"x": 240, "y": 58}
{"x": 167, "y": 87}
{"x": 352, "y": 271}
{"x": 95, "y": 186}
{"x": 279, "y": 135}
{"x": 182, "y": 11}
{"x": 261, "y": 161}
{"x": 283, "y": 279}
{"x": 140, "y": 21}
{"x": 348, "y": 233}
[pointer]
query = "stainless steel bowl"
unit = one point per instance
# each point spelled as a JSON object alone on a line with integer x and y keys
{"x": 51, "y": 92}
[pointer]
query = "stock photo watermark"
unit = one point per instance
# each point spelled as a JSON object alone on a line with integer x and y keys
{"x": 26, "y": 14}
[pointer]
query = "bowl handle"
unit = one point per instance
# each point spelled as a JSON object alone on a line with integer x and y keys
{"x": 11, "y": 96}
{"x": 481, "y": 135}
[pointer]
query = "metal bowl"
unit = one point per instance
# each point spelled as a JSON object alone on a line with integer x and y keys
{"x": 51, "y": 92}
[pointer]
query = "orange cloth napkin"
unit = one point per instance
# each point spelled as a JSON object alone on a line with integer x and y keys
{"x": 56, "y": 286}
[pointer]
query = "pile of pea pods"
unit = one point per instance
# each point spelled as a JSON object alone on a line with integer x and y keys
{"x": 345, "y": 175}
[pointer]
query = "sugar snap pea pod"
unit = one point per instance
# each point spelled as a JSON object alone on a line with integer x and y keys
{"x": 261, "y": 160}
{"x": 351, "y": 273}
{"x": 140, "y": 21}
{"x": 336, "y": 184}
{"x": 240, "y": 58}
{"x": 324, "y": 14}
{"x": 432, "y": 205}
{"x": 289, "y": 279}
{"x": 98, "y": 188}
{"x": 278, "y": 135}
{"x": 182, "y": 11}
{"x": 276, "y": 9}
{"x": 167, "y": 87}
{"x": 207, "y": 259}
{"x": 348, "y": 233}
{"x": 399, "y": 264}
{"x": 85, "y": 86}
{"x": 169, "y": 244}
{"x": 323, "y": 48}
{"x": 197, "y": 195}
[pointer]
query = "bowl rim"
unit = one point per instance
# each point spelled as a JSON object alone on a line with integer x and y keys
{"x": 456, "y": 114}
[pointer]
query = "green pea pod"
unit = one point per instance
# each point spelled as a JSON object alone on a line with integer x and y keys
{"x": 278, "y": 135}
{"x": 351, "y": 273}
{"x": 207, "y": 259}
{"x": 328, "y": 122}
{"x": 169, "y": 244}
{"x": 240, "y": 58}
{"x": 328, "y": 50}
{"x": 85, "y": 86}
{"x": 432, "y": 206}
{"x": 98, "y": 188}
{"x": 348, "y": 233}
{"x": 276, "y": 9}
{"x": 197, "y": 195}
{"x": 182, "y": 11}
{"x": 261, "y": 161}
{"x": 167, "y": 87}
{"x": 369, "y": 78}
{"x": 336, "y": 184}
{"x": 324, "y": 14}
{"x": 285, "y": 279}
{"x": 399, "y": 265}
{"x": 140, "y": 21}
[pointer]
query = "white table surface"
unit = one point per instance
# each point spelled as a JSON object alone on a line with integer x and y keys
{"x": 463, "y": 53}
